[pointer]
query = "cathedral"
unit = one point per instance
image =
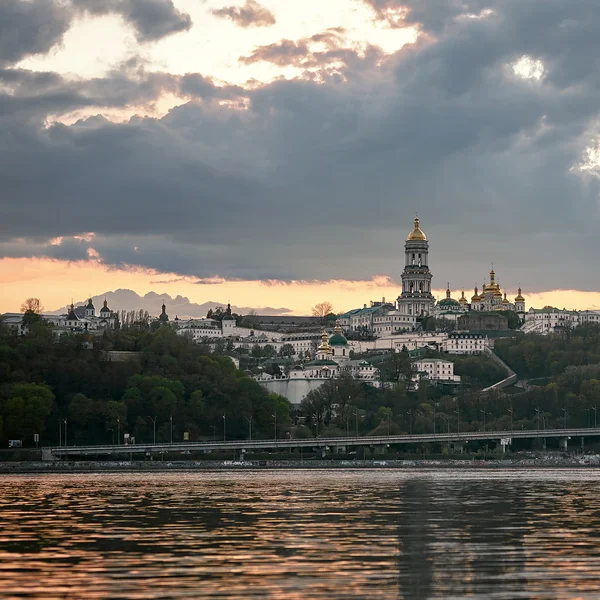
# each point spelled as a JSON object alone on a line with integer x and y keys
{"x": 417, "y": 300}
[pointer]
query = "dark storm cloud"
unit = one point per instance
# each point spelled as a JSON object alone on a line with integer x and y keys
{"x": 301, "y": 179}
{"x": 30, "y": 27}
{"x": 151, "y": 19}
{"x": 251, "y": 14}
{"x": 35, "y": 26}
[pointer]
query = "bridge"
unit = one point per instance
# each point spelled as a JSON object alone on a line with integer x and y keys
{"x": 502, "y": 438}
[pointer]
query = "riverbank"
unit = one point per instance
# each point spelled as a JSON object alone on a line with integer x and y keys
{"x": 579, "y": 461}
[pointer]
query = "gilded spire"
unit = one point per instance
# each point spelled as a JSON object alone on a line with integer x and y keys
{"x": 416, "y": 234}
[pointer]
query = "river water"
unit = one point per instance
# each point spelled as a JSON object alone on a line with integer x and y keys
{"x": 301, "y": 534}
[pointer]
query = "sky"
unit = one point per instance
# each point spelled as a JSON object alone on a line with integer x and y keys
{"x": 275, "y": 153}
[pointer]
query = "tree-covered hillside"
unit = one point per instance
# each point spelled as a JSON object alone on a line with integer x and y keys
{"x": 44, "y": 381}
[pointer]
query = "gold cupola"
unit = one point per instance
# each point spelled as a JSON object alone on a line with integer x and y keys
{"x": 462, "y": 298}
{"x": 476, "y": 297}
{"x": 505, "y": 299}
{"x": 324, "y": 347}
{"x": 519, "y": 298}
{"x": 416, "y": 234}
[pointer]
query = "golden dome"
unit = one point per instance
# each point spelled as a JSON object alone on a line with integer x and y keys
{"x": 324, "y": 346}
{"x": 416, "y": 233}
{"x": 505, "y": 299}
{"x": 519, "y": 298}
{"x": 476, "y": 297}
{"x": 462, "y": 299}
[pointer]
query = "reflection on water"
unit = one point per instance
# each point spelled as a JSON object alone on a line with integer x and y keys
{"x": 301, "y": 535}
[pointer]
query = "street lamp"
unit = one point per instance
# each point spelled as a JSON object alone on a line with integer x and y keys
{"x": 154, "y": 426}
{"x": 457, "y": 413}
{"x": 249, "y": 419}
{"x": 409, "y": 413}
{"x": 447, "y": 423}
{"x": 434, "y": 405}
{"x": 274, "y": 415}
{"x": 356, "y": 413}
{"x": 537, "y": 411}
{"x": 171, "y": 419}
{"x": 483, "y": 411}
{"x": 594, "y": 409}
{"x": 564, "y": 409}
{"x": 224, "y": 428}
{"x": 119, "y": 430}
{"x": 510, "y": 410}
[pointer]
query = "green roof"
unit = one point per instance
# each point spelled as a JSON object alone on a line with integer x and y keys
{"x": 338, "y": 340}
{"x": 448, "y": 302}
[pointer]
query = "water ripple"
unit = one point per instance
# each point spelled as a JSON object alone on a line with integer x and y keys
{"x": 301, "y": 535}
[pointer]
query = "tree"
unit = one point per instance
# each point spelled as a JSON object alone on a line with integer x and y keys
{"x": 269, "y": 351}
{"x": 322, "y": 309}
{"x": 287, "y": 350}
{"x": 31, "y": 319}
{"x": 26, "y": 409}
{"x": 33, "y": 305}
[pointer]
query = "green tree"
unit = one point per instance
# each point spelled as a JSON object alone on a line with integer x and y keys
{"x": 26, "y": 409}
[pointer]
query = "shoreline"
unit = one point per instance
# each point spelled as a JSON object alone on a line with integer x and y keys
{"x": 35, "y": 467}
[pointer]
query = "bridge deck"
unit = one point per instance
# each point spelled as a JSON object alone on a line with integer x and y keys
{"x": 318, "y": 442}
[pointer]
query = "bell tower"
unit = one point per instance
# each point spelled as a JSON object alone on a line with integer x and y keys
{"x": 416, "y": 298}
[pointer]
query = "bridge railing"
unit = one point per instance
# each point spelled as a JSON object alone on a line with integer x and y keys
{"x": 321, "y": 442}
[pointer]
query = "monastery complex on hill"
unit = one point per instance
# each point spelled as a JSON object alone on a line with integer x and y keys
{"x": 414, "y": 322}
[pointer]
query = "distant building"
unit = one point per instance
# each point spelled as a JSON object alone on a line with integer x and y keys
{"x": 465, "y": 343}
{"x": 436, "y": 369}
{"x": 482, "y": 321}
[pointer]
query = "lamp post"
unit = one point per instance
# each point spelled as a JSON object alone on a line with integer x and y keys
{"x": 564, "y": 409}
{"x": 434, "y": 405}
{"x": 249, "y": 419}
{"x": 60, "y": 432}
{"x": 224, "y": 428}
{"x": 447, "y": 423}
{"x": 153, "y": 419}
{"x": 483, "y": 411}
{"x": 171, "y": 420}
{"x": 112, "y": 430}
{"x": 409, "y": 413}
{"x": 65, "y": 421}
{"x": 316, "y": 418}
{"x": 594, "y": 409}
{"x": 119, "y": 431}
{"x": 457, "y": 413}
{"x": 388, "y": 420}
{"x": 274, "y": 415}
{"x": 537, "y": 412}
{"x": 510, "y": 410}
{"x": 356, "y": 413}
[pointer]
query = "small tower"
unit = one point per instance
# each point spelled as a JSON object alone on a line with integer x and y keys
{"x": 339, "y": 344}
{"x": 462, "y": 300}
{"x": 164, "y": 317}
{"x": 228, "y": 323}
{"x": 476, "y": 300}
{"x": 105, "y": 312}
{"x": 324, "y": 350}
{"x": 520, "y": 303}
{"x": 90, "y": 311}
